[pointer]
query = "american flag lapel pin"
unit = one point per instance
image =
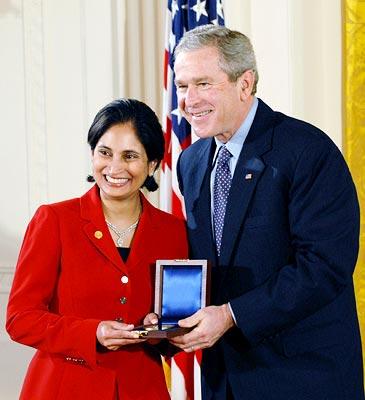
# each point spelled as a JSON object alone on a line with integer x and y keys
{"x": 248, "y": 177}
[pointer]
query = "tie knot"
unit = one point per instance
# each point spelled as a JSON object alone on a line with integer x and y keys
{"x": 224, "y": 155}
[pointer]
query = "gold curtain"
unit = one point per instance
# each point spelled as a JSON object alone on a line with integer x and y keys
{"x": 354, "y": 126}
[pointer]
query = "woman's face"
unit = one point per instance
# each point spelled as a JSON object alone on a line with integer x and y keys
{"x": 120, "y": 163}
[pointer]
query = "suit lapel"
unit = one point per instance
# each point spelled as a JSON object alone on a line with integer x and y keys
{"x": 198, "y": 199}
{"x": 201, "y": 164}
{"x": 203, "y": 217}
{"x": 247, "y": 174}
{"x": 96, "y": 229}
{"x": 246, "y": 177}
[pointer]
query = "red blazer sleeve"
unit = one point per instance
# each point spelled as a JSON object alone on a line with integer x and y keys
{"x": 32, "y": 317}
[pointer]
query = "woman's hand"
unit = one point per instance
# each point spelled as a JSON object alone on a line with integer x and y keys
{"x": 113, "y": 335}
{"x": 150, "y": 319}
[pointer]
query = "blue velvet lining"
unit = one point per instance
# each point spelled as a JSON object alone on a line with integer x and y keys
{"x": 181, "y": 294}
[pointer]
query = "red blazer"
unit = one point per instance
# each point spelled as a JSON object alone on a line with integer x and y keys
{"x": 67, "y": 280}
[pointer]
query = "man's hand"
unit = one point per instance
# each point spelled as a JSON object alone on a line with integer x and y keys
{"x": 210, "y": 324}
{"x": 113, "y": 334}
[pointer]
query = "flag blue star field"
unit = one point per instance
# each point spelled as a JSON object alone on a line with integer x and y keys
{"x": 183, "y": 371}
{"x": 182, "y": 16}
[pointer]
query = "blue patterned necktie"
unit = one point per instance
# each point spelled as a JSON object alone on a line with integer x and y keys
{"x": 222, "y": 184}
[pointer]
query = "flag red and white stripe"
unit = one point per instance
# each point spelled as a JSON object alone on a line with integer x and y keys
{"x": 182, "y": 15}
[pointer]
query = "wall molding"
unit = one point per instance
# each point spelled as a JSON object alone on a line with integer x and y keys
{"x": 35, "y": 102}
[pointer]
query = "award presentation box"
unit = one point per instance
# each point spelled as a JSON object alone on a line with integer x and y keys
{"x": 182, "y": 287}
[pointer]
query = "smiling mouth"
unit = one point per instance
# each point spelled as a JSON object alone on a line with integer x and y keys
{"x": 116, "y": 181}
{"x": 200, "y": 114}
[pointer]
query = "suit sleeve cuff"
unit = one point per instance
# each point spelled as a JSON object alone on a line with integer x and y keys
{"x": 232, "y": 313}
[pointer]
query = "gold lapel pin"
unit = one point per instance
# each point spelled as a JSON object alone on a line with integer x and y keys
{"x": 98, "y": 234}
{"x": 248, "y": 177}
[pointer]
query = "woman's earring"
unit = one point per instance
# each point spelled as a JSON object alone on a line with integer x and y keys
{"x": 150, "y": 183}
{"x": 90, "y": 177}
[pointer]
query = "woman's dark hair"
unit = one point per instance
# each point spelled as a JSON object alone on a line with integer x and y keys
{"x": 145, "y": 123}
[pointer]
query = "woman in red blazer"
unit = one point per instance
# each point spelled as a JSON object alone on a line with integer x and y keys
{"x": 85, "y": 272}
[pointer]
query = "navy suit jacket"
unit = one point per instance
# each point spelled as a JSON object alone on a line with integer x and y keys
{"x": 289, "y": 248}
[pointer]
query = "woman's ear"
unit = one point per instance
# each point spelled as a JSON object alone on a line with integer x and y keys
{"x": 152, "y": 167}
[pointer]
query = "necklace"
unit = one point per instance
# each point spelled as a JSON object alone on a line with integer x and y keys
{"x": 123, "y": 233}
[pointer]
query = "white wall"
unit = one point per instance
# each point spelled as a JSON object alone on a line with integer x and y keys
{"x": 56, "y": 71}
{"x": 62, "y": 60}
{"x": 298, "y": 49}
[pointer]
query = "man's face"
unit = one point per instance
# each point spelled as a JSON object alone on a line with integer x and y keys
{"x": 212, "y": 104}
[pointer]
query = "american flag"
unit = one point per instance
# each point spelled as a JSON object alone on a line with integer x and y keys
{"x": 182, "y": 15}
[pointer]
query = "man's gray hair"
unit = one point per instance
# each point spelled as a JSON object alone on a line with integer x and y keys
{"x": 235, "y": 50}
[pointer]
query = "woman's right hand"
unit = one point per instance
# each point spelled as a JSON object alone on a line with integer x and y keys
{"x": 113, "y": 334}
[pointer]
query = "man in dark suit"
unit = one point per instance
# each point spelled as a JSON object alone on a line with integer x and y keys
{"x": 271, "y": 204}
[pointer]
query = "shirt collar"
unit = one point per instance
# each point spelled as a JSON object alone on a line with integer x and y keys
{"x": 235, "y": 143}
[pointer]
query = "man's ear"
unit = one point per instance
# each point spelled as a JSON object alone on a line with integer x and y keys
{"x": 246, "y": 82}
